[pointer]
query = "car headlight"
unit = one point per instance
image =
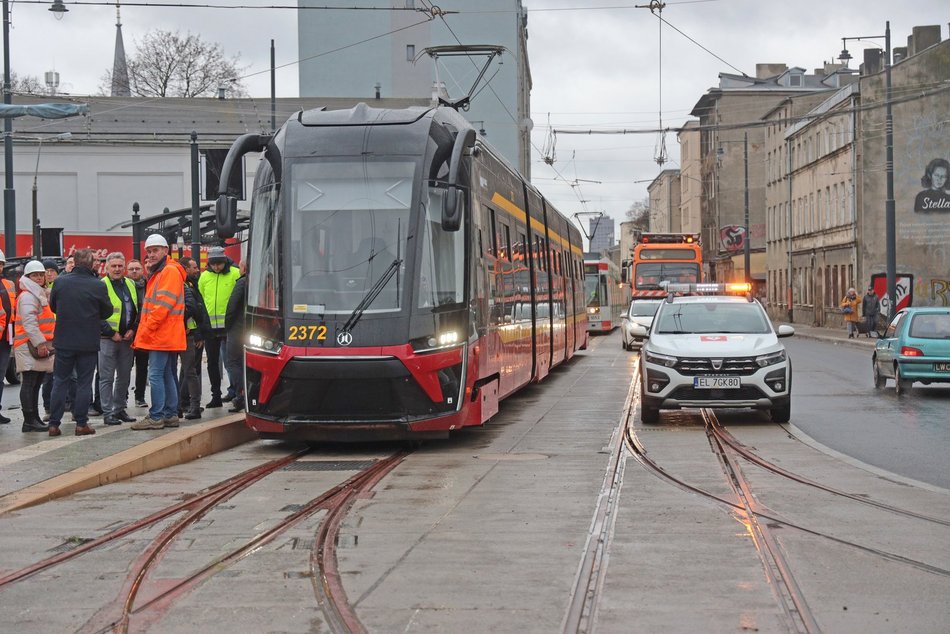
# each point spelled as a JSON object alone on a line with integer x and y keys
{"x": 661, "y": 359}
{"x": 770, "y": 359}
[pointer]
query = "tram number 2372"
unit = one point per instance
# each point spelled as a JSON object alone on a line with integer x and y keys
{"x": 307, "y": 333}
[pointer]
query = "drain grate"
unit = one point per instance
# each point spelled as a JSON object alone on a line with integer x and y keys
{"x": 329, "y": 465}
{"x": 70, "y": 544}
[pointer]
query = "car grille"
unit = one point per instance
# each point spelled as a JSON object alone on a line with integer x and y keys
{"x": 745, "y": 393}
{"x": 736, "y": 366}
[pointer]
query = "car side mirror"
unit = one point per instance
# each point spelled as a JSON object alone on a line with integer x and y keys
{"x": 639, "y": 331}
{"x": 785, "y": 331}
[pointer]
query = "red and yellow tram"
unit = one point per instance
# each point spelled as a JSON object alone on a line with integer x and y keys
{"x": 402, "y": 280}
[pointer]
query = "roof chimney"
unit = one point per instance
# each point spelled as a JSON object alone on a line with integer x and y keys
{"x": 925, "y": 37}
{"x": 764, "y": 71}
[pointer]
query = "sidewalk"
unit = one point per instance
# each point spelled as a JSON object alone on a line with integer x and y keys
{"x": 830, "y": 335}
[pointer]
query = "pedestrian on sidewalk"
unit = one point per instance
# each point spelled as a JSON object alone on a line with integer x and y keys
{"x": 849, "y": 308}
{"x": 871, "y": 307}
{"x": 196, "y": 327}
{"x": 234, "y": 324}
{"x": 161, "y": 331}
{"x": 136, "y": 272}
{"x": 115, "y": 348}
{"x": 215, "y": 285}
{"x": 80, "y": 302}
{"x": 7, "y": 313}
{"x": 35, "y": 323}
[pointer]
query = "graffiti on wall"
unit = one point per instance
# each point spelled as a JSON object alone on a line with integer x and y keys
{"x": 934, "y": 291}
{"x": 904, "y": 291}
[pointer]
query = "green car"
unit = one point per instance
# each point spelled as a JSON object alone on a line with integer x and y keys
{"x": 914, "y": 348}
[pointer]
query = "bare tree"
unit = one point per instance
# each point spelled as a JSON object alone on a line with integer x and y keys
{"x": 167, "y": 64}
{"x": 639, "y": 214}
{"x": 27, "y": 85}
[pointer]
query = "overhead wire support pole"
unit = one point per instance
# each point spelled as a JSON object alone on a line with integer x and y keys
{"x": 195, "y": 203}
{"x": 889, "y": 220}
{"x": 9, "y": 194}
{"x": 747, "y": 238}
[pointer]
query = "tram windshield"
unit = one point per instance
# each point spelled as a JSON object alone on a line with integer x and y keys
{"x": 349, "y": 222}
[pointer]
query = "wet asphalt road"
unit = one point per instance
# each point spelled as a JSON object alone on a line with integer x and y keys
{"x": 834, "y": 402}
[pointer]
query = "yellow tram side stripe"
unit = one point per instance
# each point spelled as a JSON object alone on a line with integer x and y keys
{"x": 520, "y": 214}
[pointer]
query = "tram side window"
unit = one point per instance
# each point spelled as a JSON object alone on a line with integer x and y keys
{"x": 263, "y": 279}
{"x": 507, "y": 242}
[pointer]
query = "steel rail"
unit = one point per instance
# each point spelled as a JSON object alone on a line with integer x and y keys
{"x": 592, "y": 569}
{"x": 640, "y": 455}
{"x": 166, "y": 597}
{"x": 250, "y": 475}
{"x": 777, "y": 569}
{"x": 727, "y": 438}
{"x": 328, "y": 584}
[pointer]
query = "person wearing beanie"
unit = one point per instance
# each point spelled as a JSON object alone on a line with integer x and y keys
{"x": 216, "y": 285}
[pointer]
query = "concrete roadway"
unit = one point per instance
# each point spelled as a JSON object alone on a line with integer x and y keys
{"x": 484, "y": 532}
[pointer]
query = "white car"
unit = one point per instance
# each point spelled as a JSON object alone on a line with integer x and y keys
{"x": 640, "y": 313}
{"x": 714, "y": 351}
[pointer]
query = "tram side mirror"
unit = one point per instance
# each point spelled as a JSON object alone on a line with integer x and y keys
{"x": 225, "y": 215}
{"x": 453, "y": 207}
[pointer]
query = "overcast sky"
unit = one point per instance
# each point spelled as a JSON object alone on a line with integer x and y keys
{"x": 595, "y": 63}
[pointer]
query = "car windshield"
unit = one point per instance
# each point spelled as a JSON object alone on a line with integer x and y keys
{"x": 711, "y": 317}
{"x": 643, "y": 309}
{"x": 930, "y": 326}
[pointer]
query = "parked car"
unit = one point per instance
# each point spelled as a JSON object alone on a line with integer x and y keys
{"x": 714, "y": 350}
{"x": 640, "y": 312}
{"x": 915, "y": 347}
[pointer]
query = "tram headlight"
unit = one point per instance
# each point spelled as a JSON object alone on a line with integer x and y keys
{"x": 440, "y": 341}
{"x": 593, "y": 310}
{"x": 263, "y": 344}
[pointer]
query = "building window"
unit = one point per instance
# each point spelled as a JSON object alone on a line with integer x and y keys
{"x": 410, "y": 52}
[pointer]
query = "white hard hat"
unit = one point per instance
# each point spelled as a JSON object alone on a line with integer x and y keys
{"x": 3, "y": 258}
{"x": 156, "y": 240}
{"x": 34, "y": 266}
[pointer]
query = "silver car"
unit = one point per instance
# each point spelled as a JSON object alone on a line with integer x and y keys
{"x": 640, "y": 312}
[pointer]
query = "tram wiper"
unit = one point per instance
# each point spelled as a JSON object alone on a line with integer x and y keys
{"x": 371, "y": 295}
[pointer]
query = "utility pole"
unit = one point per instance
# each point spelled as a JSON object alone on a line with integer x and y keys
{"x": 889, "y": 221}
{"x": 746, "y": 253}
{"x": 195, "y": 204}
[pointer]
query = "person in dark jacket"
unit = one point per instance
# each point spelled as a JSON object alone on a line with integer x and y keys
{"x": 136, "y": 272}
{"x": 871, "y": 307}
{"x": 81, "y": 302}
{"x": 197, "y": 327}
{"x": 234, "y": 325}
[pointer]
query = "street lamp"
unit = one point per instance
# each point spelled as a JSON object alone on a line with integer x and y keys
{"x": 36, "y": 218}
{"x": 890, "y": 237}
{"x": 9, "y": 194}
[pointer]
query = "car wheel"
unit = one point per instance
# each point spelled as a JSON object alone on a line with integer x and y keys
{"x": 783, "y": 413}
{"x": 901, "y": 385}
{"x": 879, "y": 380}
{"x": 649, "y": 415}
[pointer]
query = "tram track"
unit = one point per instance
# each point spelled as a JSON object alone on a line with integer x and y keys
{"x": 759, "y": 519}
{"x": 725, "y": 437}
{"x": 127, "y": 612}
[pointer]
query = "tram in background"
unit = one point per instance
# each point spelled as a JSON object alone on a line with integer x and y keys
{"x": 607, "y": 297}
{"x": 403, "y": 277}
{"x": 660, "y": 258}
